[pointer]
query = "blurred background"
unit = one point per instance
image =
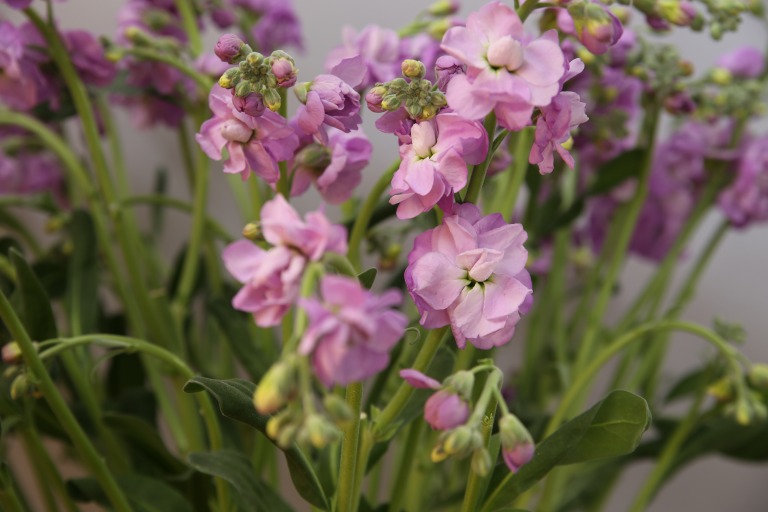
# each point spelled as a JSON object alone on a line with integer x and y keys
{"x": 734, "y": 289}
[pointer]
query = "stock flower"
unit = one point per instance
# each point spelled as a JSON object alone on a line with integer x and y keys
{"x": 88, "y": 57}
{"x": 743, "y": 62}
{"x": 506, "y": 71}
{"x": 229, "y": 48}
{"x": 155, "y": 17}
{"x": 445, "y": 409}
{"x": 553, "y": 129}
{"x": 335, "y": 169}
{"x": 746, "y": 199}
{"x": 374, "y": 53}
{"x": 469, "y": 273}
{"x": 596, "y": 27}
{"x": 446, "y": 67}
{"x": 278, "y": 25}
{"x": 254, "y": 144}
{"x": 271, "y": 278}
{"x": 517, "y": 446}
{"x": 18, "y": 4}
{"x": 328, "y": 100}
{"x": 22, "y": 85}
{"x": 31, "y": 173}
{"x": 351, "y": 330}
{"x": 434, "y": 164}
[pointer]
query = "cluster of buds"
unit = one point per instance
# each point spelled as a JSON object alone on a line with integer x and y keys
{"x": 723, "y": 96}
{"x": 256, "y": 79}
{"x": 743, "y": 395}
{"x": 296, "y": 418}
{"x": 661, "y": 68}
{"x": 422, "y": 99}
{"x": 21, "y": 381}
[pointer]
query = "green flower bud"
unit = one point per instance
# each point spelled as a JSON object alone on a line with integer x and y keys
{"x": 443, "y": 8}
{"x": 462, "y": 382}
{"x": 337, "y": 409}
{"x": 276, "y": 388}
{"x": 721, "y": 76}
{"x": 391, "y": 102}
{"x": 321, "y": 433}
{"x": 230, "y": 78}
{"x": 413, "y": 69}
{"x": 481, "y": 462}
{"x": 272, "y": 100}
{"x": 301, "y": 90}
{"x": 757, "y": 376}
{"x": 11, "y": 353}
{"x": 20, "y": 386}
{"x": 252, "y": 231}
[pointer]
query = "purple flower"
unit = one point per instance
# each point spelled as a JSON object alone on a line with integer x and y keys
{"x": 31, "y": 173}
{"x": 335, "y": 169}
{"x": 469, "y": 273}
{"x": 254, "y": 144}
{"x": 18, "y": 4}
{"x": 222, "y": 17}
{"x": 211, "y": 65}
{"x": 229, "y": 48}
{"x": 418, "y": 380}
{"x": 88, "y": 57}
{"x": 148, "y": 110}
{"x": 22, "y": 85}
{"x": 374, "y": 53}
{"x": 156, "y": 17}
{"x": 746, "y": 199}
{"x": 252, "y": 105}
{"x": 331, "y": 101}
{"x": 351, "y": 330}
{"x": 285, "y": 72}
{"x": 445, "y": 410}
{"x": 278, "y": 25}
{"x": 271, "y": 278}
{"x": 446, "y": 67}
{"x": 744, "y": 62}
{"x": 517, "y": 457}
{"x": 505, "y": 71}
{"x": 434, "y": 164}
{"x": 553, "y": 129}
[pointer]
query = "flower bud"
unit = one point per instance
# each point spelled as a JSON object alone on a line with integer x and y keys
{"x": 314, "y": 156}
{"x": 443, "y": 8}
{"x": 284, "y": 69}
{"x": 516, "y": 442}
{"x": 412, "y": 69}
{"x": 438, "y": 28}
{"x": 243, "y": 89}
{"x": 374, "y": 98}
{"x": 11, "y": 353}
{"x": 251, "y": 104}
{"x": 391, "y": 102}
{"x": 596, "y": 27}
{"x": 481, "y": 462}
{"x": 254, "y": 59}
{"x": 20, "y": 386}
{"x": 337, "y": 409}
{"x": 678, "y": 12}
{"x": 721, "y": 390}
{"x": 721, "y": 76}
{"x": 252, "y": 231}
{"x": 445, "y": 410}
{"x": 276, "y": 388}
{"x": 231, "y": 49}
{"x": 320, "y": 432}
{"x": 757, "y": 376}
{"x": 230, "y": 78}
{"x": 137, "y": 36}
{"x": 462, "y": 441}
{"x": 301, "y": 91}
{"x": 272, "y": 100}
{"x": 461, "y": 382}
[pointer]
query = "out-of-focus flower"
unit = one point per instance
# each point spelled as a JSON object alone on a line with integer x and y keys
{"x": 469, "y": 273}
{"x": 327, "y": 100}
{"x": 446, "y": 67}
{"x": 517, "y": 446}
{"x": 277, "y": 24}
{"x": 446, "y": 409}
{"x": 351, "y": 330}
{"x": 88, "y": 57}
{"x": 31, "y": 173}
{"x": 374, "y": 51}
{"x": 746, "y": 200}
{"x": 434, "y": 165}
{"x": 596, "y": 27}
{"x": 254, "y": 144}
{"x": 744, "y": 62}
{"x": 506, "y": 71}
{"x": 335, "y": 169}
{"x": 22, "y": 85}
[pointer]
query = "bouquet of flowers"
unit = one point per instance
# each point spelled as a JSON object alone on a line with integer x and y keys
{"x": 345, "y": 359}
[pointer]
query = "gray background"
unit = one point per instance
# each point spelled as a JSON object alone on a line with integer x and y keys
{"x": 734, "y": 288}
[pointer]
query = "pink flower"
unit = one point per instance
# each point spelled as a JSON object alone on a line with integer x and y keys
{"x": 373, "y": 54}
{"x": 445, "y": 410}
{"x": 553, "y": 128}
{"x": 272, "y": 277}
{"x": 434, "y": 165}
{"x": 446, "y": 67}
{"x": 743, "y": 62}
{"x": 335, "y": 169}
{"x": 418, "y": 380}
{"x": 331, "y": 101}
{"x": 517, "y": 446}
{"x": 746, "y": 199}
{"x": 254, "y": 144}
{"x": 351, "y": 331}
{"x": 506, "y": 71}
{"x": 469, "y": 273}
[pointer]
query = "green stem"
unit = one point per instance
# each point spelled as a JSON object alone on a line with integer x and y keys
{"x": 407, "y": 458}
{"x": 203, "y": 81}
{"x": 588, "y": 373}
{"x": 61, "y": 409}
{"x": 478, "y": 173}
{"x": 668, "y": 454}
{"x": 506, "y": 196}
{"x": 398, "y": 402}
{"x": 47, "y": 474}
{"x": 345, "y": 501}
{"x": 360, "y": 226}
{"x": 9, "y": 499}
{"x": 527, "y": 8}
{"x": 212, "y": 225}
{"x": 186, "y": 9}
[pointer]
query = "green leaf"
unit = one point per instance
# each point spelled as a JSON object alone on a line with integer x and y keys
{"x": 236, "y": 468}
{"x": 83, "y": 277}
{"x": 144, "y": 494}
{"x": 34, "y": 305}
{"x": 367, "y": 277}
{"x": 610, "y": 428}
{"x": 615, "y": 172}
{"x": 235, "y": 398}
{"x": 234, "y": 325}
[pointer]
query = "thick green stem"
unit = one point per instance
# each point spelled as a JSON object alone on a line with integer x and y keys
{"x": 345, "y": 501}
{"x": 61, "y": 410}
{"x": 407, "y": 458}
{"x": 478, "y": 173}
{"x": 186, "y": 9}
{"x": 212, "y": 225}
{"x": 360, "y": 226}
{"x": 203, "y": 81}
{"x": 506, "y": 195}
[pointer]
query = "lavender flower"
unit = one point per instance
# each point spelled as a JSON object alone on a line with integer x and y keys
{"x": 469, "y": 273}
{"x": 88, "y": 57}
{"x": 373, "y": 53}
{"x": 22, "y": 85}
{"x": 278, "y": 25}
{"x": 328, "y": 100}
{"x": 553, "y": 129}
{"x": 744, "y": 62}
{"x": 444, "y": 410}
{"x": 351, "y": 330}
{"x": 746, "y": 200}
{"x": 31, "y": 173}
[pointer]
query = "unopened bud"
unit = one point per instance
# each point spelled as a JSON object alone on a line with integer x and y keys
{"x": 254, "y": 59}
{"x": 481, "y": 462}
{"x": 721, "y": 76}
{"x": 443, "y": 8}
{"x": 374, "y": 98}
{"x": 757, "y": 376}
{"x": 252, "y": 231}
{"x": 680, "y": 13}
{"x": 231, "y": 49}
{"x": 516, "y": 442}
{"x": 337, "y": 409}
{"x": 412, "y": 69}
{"x": 243, "y": 89}
{"x": 462, "y": 382}
{"x": 20, "y": 386}
{"x": 137, "y": 36}
{"x": 462, "y": 441}
{"x": 438, "y": 28}
{"x": 314, "y": 156}
{"x": 321, "y": 433}
{"x": 272, "y": 100}
{"x": 391, "y": 102}
{"x": 11, "y": 353}
{"x": 230, "y": 78}
{"x": 251, "y": 104}
{"x": 284, "y": 69}
{"x": 301, "y": 91}
{"x": 721, "y": 390}
{"x": 276, "y": 388}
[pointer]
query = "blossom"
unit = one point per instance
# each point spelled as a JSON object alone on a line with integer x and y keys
{"x": 505, "y": 71}
{"x": 746, "y": 199}
{"x": 22, "y": 85}
{"x": 553, "y": 129}
{"x": 434, "y": 164}
{"x": 278, "y": 25}
{"x": 254, "y": 144}
{"x": 229, "y": 48}
{"x": 517, "y": 446}
{"x": 445, "y": 410}
{"x": 351, "y": 330}
{"x": 446, "y": 67}
{"x": 743, "y": 62}
{"x": 88, "y": 57}
{"x": 335, "y": 169}
{"x": 31, "y": 173}
{"x": 374, "y": 53}
{"x": 469, "y": 273}
{"x": 418, "y": 380}
{"x": 331, "y": 101}
{"x": 596, "y": 27}
{"x": 272, "y": 277}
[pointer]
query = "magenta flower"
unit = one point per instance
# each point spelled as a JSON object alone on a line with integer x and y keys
{"x": 331, "y": 101}
{"x": 351, "y": 330}
{"x": 469, "y": 273}
{"x": 446, "y": 67}
{"x": 278, "y": 25}
{"x": 418, "y": 380}
{"x": 445, "y": 409}
{"x": 88, "y": 57}
{"x": 156, "y": 17}
{"x": 596, "y": 27}
{"x": 254, "y": 144}
{"x": 271, "y": 278}
{"x": 334, "y": 169}
{"x": 31, "y": 173}
{"x": 373, "y": 53}
{"x": 505, "y": 71}
{"x": 22, "y": 85}
{"x": 229, "y": 48}
{"x": 517, "y": 457}
{"x": 744, "y": 62}
{"x": 434, "y": 165}
{"x": 746, "y": 199}
{"x": 517, "y": 446}
{"x": 553, "y": 129}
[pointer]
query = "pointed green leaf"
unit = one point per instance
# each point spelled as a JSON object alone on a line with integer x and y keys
{"x": 83, "y": 277}
{"x": 367, "y": 277}
{"x": 34, "y": 304}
